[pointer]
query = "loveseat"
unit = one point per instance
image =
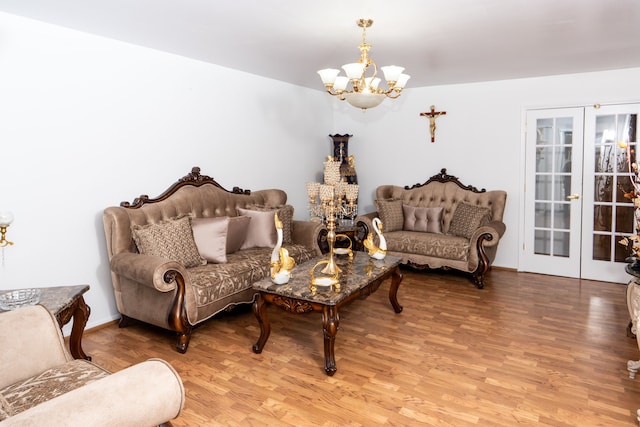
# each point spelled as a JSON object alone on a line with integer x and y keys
{"x": 195, "y": 250}
{"x": 440, "y": 224}
{"x": 42, "y": 385}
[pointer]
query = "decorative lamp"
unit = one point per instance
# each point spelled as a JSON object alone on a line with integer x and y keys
{"x": 364, "y": 92}
{"x": 6, "y": 218}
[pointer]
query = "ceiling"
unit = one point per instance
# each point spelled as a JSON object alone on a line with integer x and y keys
{"x": 439, "y": 42}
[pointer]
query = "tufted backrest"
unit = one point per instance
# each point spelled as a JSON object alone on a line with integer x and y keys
{"x": 202, "y": 201}
{"x": 447, "y": 195}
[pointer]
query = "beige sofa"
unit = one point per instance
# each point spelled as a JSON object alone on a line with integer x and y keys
{"x": 42, "y": 385}
{"x": 441, "y": 224}
{"x": 157, "y": 277}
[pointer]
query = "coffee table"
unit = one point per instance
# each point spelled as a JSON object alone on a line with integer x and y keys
{"x": 359, "y": 277}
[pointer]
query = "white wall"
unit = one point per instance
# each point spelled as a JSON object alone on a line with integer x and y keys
{"x": 479, "y": 140}
{"x": 87, "y": 122}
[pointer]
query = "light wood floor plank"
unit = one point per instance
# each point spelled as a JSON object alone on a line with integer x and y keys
{"x": 526, "y": 350}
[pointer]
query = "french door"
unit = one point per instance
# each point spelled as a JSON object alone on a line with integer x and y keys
{"x": 575, "y": 212}
{"x": 608, "y": 215}
{"x": 553, "y": 192}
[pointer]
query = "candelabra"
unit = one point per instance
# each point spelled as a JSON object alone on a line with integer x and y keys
{"x": 328, "y": 207}
{"x": 343, "y": 195}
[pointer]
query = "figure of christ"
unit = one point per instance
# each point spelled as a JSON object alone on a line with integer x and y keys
{"x": 432, "y": 115}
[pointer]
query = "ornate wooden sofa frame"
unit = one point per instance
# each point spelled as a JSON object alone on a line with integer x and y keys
{"x": 472, "y": 254}
{"x": 164, "y": 292}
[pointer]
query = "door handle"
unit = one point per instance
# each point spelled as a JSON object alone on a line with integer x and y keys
{"x": 573, "y": 196}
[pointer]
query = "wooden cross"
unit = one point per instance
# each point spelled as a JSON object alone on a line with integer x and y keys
{"x": 433, "y": 114}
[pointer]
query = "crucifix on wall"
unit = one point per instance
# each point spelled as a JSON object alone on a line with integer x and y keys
{"x": 432, "y": 115}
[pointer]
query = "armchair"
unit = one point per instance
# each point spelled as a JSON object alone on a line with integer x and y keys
{"x": 41, "y": 384}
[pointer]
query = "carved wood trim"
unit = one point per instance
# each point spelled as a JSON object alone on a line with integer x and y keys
{"x": 483, "y": 261}
{"x": 443, "y": 177}
{"x": 193, "y": 178}
{"x": 177, "y": 316}
{"x": 292, "y": 305}
{"x": 477, "y": 276}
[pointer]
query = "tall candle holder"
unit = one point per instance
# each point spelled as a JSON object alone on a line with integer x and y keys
{"x": 327, "y": 199}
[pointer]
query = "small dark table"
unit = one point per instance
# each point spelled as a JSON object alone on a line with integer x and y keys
{"x": 66, "y": 303}
{"x": 360, "y": 276}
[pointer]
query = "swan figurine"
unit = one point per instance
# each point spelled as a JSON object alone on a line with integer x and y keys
{"x": 281, "y": 263}
{"x": 376, "y": 252}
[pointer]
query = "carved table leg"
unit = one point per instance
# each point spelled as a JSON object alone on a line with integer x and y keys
{"x": 330, "y": 325}
{"x": 260, "y": 310}
{"x": 396, "y": 278}
{"x": 79, "y": 311}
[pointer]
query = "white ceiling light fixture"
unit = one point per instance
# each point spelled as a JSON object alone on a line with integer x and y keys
{"x": 364, "y": 91}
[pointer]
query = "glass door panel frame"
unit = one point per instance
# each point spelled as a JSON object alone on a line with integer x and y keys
{"x": 553, "y": 171}
{"x": 608, "y": 216}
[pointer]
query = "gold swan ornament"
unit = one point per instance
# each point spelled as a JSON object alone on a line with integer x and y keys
{"x": 281, "y": 263}
{"x": 376, "y": 252}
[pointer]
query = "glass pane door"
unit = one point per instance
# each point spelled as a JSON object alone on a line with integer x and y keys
{"x": 554, "y": 138}
{"x": 608, "y": 214}
{"x": 552, "y": 192}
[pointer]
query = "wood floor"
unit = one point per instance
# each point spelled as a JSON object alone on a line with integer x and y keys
{"x": 526, "y": 350}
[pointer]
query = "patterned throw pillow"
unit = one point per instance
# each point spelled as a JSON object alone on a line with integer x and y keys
{"x": 285, "y": 213}
{"x": 390, "y": 213}
{"x": 171, "y": 239}
{"x": 210, "y": 235}
{"x": 422, "y": 219}
{"x": 467, "y": 219}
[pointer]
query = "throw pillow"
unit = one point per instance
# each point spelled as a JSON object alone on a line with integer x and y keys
{"x": 467, "y": 219}
{"x": 390, "y": 213}
{"x": 285, "y": 213}
{"x": 237, "y": 232}
{"x": 210, "y": 235}
{"x": 171, "y": 239}
{"x": 422, "y": 219}
{"x": 262, "y": 229}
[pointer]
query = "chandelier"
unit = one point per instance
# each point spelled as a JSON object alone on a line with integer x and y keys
{"x": 364, "y": 91}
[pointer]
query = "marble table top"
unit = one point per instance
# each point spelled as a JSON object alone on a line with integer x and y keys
{"x": 57, "y": 298}
{"x": 355, "y": 273}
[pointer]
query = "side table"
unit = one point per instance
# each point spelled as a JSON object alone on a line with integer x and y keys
{"x": 66, "y": 303}
{"x": 355, "y": 233}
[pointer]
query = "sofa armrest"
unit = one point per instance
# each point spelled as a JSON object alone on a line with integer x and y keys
{"x": 365, "y": 221}
{"x": 483, "y": 245}
{"x": 146, "y": 394}
{"x": 146, "y": 269}
{"x": 495, "y": 228}
{"x": 307, "y": 233}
